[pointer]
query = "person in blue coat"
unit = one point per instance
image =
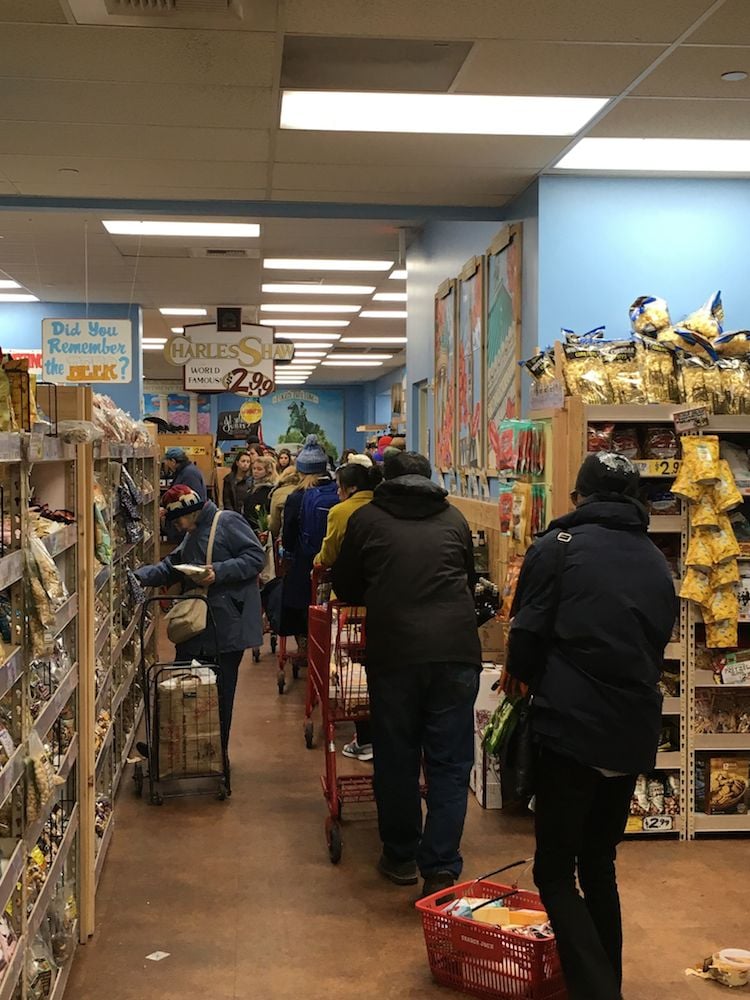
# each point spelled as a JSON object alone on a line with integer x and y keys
{"x": 231, "y": 581}
{"x": 183, "y": 473}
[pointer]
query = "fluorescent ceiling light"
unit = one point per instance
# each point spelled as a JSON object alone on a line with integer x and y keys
{"x": 383, "y": 314}
{"x": 13, "y": 297}
{"x": 398, "y": 275}
{"x": 304, "y": 322}
{"x": 177, "y": 311}
{"x": 154, "y": 340}
{"x": 445, "y": 114}
{"x": 714, "y": 156}
{"x": 327, "y": 264}
{"x": 222, "y": 230}
{"x": 373, "y": 340}
{"x": 360, "y": 357}
{"x": 321, "y": 338}
{"x": 300, "y": 308}
{"x": 9, "y": 283}
{"x": 309, "y": 354}
{"x": 153, "y": 347}
{"x": 309, "y": 288}
{"x": 390, "y": 297}
{"x": 351, "y": 364}
{"x": 177, "y": 329}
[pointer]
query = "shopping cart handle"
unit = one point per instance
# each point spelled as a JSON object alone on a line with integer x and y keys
{"x": 495, "y": 899}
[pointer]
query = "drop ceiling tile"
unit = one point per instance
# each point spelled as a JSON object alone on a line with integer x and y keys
{"x": 548, "y": 69}
{"x": 6, "y": 187}
{"x": 677, "y": 119}
{"x": 368, "y": 197}
{"x": 40, "y": 174}
{"x": 695, "y": 71}
{"x": 548, "y": 20}
{"x": 727, "y": 26}
{"x": 32, "y": 11}
{"x": 106, "y": 102}
{"x": 331, "y": 177}
{"x": 409, "y": 150}
{"x": 140, "y": 55}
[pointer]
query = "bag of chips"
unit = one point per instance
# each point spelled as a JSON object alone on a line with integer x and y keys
{"x": 541, "y": 367}
{"x": 733, "y": 344}
{"x": 722, "y": 635}
{"x": 685, "y": 340}
{"x": 625, "y": 442}
{"x": 734, "y": 386}
{"x": 624, "y": 372}
{"x": 658, "y": 367}
{"x": 700, "y": 458}
{"x": 725, "y": 575}
{"x": 723, "y": 542}
{"x": 660, "y": 442}
{"x": 722, "y": 606}
{"x": 703, "y": 514}
{"x": 700, "y": 552}
{"x": 649, "y": 314}
{"x": 505, "y": 507}
{"x": 696, "y": 586}
{"x": 726, "y": 496}
{"x": 708, "y": 320}
{"x": 585, "y": 375}
{"x": 599, "y": 437}
{"x": 571, "y": 337}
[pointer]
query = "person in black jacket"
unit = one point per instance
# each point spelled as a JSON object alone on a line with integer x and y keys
{"x": 407, "y": 557}
{"x": 591, "y": 648}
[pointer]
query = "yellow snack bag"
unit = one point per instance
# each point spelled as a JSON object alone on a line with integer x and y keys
{"x": 723, "y": 605}
{"x": 696, "y": 587}
{"x": 700, "y": 551}
{"x": 703, "y": 514}
{"x": 723, "y": 542}
{"x": 725, "y": 493}
{"x": 700, "y": 458}
{"x": 722, "y": 635}
{"x": 725, "y": 575}
{"x": 585, "y": 375}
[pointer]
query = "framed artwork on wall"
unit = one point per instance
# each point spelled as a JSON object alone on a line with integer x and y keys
{"x": 470, "y": 365}
{"x": 445, "y": 376}
{"x": 503, "y": 338}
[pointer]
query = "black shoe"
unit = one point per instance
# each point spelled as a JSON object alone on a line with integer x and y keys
{"x": 142, "y": 749}
{"x": 437, "y": 882}
{"x": 399, "y": 872}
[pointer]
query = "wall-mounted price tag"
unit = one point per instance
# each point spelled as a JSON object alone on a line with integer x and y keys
{"x": 658, "y": 467}
{"x": 690, "y": 419}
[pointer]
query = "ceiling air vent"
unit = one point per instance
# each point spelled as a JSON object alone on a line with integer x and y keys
{"x": 145, "y": 7}
{"x": 224, "y": 253}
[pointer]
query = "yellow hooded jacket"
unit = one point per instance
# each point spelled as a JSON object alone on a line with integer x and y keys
{"x": 338, "y": 518}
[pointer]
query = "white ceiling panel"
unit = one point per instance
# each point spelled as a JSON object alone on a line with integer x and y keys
{"x": 32, "y": 12}
{"x": 70, "y": 52}
{"x": 695, "y": 71}
{"x": 730, "y": 25}
{"x": 546, "y": 69}
{"x": 437, "y": 196}
{"x": 676, "y": 119}
{"x": 138, "y": 142}
{"x": 417, "y": 177}
{"x": 544, "y": 20}
{"x": 173, "y": 104}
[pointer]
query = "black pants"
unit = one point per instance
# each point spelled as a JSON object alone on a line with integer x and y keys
{"x": 580, "y": 820}
{"x": 229, "y": 664}
{"x": 423, "y": 709}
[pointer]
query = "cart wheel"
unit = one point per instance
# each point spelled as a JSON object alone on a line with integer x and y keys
{"x": 274, "y": 643}
{"x": 138, "y": 780}
{"x": 335, "y": 843}
{"x": 281, "y": 682}
{"x": 256, "y": 656}
{"x": 157, "y": 799}
{"x": 309, "y": 734}
{"x": 295, "y": 669}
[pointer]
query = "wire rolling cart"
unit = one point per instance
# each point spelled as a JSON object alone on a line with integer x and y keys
{"x": 298, "y": 658}
{"x": 337, "y": 682}
{"x": 184, "y": 728}
{"x": 484, "y": 960}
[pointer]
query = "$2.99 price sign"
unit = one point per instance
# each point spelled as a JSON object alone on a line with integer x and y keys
{"x": 248, "y": 383}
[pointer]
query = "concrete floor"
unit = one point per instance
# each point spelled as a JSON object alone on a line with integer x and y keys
{"x": 242, "y": 895}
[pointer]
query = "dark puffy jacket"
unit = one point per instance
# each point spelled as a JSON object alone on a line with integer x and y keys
{"x": 597, "y": 698}
{"x": 408, "y": 557}
{"x": 234, "y": 598}
{"x": 188, "y": 474}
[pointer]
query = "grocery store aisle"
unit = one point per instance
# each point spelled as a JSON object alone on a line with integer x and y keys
{"x": 243, "y": 898}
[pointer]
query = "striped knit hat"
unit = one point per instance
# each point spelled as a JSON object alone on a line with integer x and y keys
{"x": 180, "y": 500}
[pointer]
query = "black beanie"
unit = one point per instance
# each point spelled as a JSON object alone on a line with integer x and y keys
{"x": 607, "y": 472}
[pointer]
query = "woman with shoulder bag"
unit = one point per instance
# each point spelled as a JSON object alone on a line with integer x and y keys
{"x": 226, "y": 545}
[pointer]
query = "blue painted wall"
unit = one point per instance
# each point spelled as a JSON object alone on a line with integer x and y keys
{"x": 605, "y": 241}
{"x": 21, "y": 327}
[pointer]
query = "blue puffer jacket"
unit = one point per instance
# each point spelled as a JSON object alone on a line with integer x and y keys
{"x": 234, "y": 598}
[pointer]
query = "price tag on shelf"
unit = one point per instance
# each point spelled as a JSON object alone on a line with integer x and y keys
{"x": 658, "y": 824}
{"x": 658, "y": 467}
{"x": 547, "y": 395}
{"x": 690, "y": 419}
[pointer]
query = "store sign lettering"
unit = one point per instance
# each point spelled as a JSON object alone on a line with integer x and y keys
{"x": 87, "y": 350}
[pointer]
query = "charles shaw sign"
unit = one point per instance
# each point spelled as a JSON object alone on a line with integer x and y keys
{"x": 220, "y": 361}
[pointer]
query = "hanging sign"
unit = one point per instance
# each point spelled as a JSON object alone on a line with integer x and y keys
{"x": 87, "y": 350}
{"x": 216, "y": 360}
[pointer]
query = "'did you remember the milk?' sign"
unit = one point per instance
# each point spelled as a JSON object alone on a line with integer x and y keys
{"x": 87, "y": 350}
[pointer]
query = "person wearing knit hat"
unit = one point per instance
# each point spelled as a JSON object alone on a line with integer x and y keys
{"x": 180, "y": 502}
{"x": 311, "y": 459}
{"x": 594, "y": 610}
{"x": 383, "y": 443}
{"x": 183, "y": 473}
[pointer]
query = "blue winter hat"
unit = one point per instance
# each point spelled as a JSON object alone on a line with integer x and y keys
{"x": 176, "y": 454}
{"x": 311, "y": 458}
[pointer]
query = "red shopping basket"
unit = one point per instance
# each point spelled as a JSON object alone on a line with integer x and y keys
{"x": 487, "y": 961}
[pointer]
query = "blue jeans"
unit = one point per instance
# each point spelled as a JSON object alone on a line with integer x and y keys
{"x": 418, "y": 711}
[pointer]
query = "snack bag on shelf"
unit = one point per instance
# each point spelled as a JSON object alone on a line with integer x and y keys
{"x": 725, "y": 575}
{"x": 729, "y": 781}
{"x": 708, "y": 320}
{"x": 624, "y": 372}
{"x": 659, "y": 374}
{"x": 599, "y": 437}
{"x": 7, "y": 415}
{"x": 703, "y": 513}
{"x": 660, "y": 441}
{"x": 733, "y": 344}
{"x": 700, "y": 552}
{"x": 726, "y": 496}
{"x": 571, "y": 337}
{"x": 722, "y": 635}
{"x": 541, "y": 367}
{"x": 722, "y": 606}
{"x": 734, "y": 383}
{"x": 585, "y": 375}
{"x": 723, "y": 542}
{"x": 505, "y": 506}
{"x": 700, "y": 458}
{"x": 625, "y": 442}
{"x": 649, "y": 314}
{"x": 696, "y": 586}
{"x": 521, "y": 525}
{"x": 739, "y": 463}
{"x": 699, "y": 380}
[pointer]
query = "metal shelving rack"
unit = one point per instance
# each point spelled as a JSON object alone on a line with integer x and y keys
{"x": 32, "y": 461}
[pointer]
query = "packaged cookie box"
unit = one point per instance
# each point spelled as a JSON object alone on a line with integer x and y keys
{"x": 728, "y": 788}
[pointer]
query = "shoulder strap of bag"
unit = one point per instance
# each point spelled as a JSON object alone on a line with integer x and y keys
{"x": 211, "y": 537}
{"x": 564, "y": 538}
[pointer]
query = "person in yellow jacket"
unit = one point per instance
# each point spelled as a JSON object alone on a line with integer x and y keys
{"x": 356, "y": 481}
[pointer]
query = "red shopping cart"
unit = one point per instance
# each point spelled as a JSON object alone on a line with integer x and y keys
{"x": 337, "y": 682}
{"x": 484, "y": 960}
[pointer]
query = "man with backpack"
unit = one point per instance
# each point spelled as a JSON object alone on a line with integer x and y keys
{"x": 305, "y": 524}
{"x": 408, "y": 558}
